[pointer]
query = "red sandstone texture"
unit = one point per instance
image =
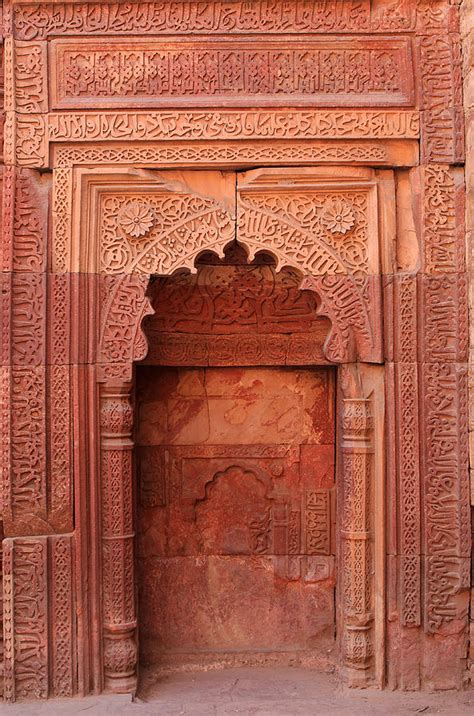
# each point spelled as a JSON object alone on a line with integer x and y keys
{"x": 234, "y": 353}
{"x": 236, "y": 544}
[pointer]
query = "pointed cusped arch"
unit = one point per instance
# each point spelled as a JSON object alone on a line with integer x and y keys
{"x": 352, "y": 307}
{"x": 317, "y": 220}
{"x": 125, "y": 304}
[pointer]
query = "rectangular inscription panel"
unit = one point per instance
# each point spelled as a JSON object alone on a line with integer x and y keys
{"x": 332, "y": 72}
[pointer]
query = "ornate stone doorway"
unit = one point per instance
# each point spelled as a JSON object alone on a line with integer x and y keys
{"x": 333, "y": 232}
{"x": 300, "y": 220}
{"x": 236, "y": 470}
{"x": 323, "y": 228}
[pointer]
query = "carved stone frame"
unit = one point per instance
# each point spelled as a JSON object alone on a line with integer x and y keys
{"x": 95, "y": 378}
{"x": 104, "y": 488}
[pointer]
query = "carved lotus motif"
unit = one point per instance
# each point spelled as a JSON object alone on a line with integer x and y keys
{"x": 338, "y": 216}
{"x": 136, "y": 219}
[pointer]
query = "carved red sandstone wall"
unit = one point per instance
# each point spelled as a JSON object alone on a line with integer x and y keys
{"x": 70, "y": 334}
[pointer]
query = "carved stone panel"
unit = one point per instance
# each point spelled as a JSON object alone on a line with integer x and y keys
{"x": 39, "y": 617}
{"x": 226, "y": 125}
{"x": 25, "y": 220}
{"x": 26, "y": 670}
{"x": 234, "y": 313}
{"x": 39, "y": 20}
{"x": 150, "y": 233}
{"x": 243, "y": 154}
{"x": 232, "y": 72}
{"x": 28, "y": 139}
{"x": 152, "y": 224}
{"x": 30, "y": 78}
{"x": 442, "y": 211}
{"x": 36, "y": 431}
{"x": 322, "y": 222}
{"x": 446, "y": 494}
{"x": 442, "y": 124}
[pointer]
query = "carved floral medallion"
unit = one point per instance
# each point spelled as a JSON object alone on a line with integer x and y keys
{"x": 135, "y": 219}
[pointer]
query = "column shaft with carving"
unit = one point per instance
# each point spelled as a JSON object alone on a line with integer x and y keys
{"x": 118, "y": 588}
{"x": 356, "y": 556}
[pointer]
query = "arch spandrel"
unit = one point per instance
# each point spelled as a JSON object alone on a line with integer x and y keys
{"x": 163, "y": 232}
{"x": 320, "y": 221}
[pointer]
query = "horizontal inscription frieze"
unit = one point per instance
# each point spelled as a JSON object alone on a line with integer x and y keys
{"x": 330, "y": 72}
{"x": 39, "y": 20}
{"x": 215, "y": 125}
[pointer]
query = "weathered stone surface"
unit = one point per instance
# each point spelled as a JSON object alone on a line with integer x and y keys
{"x": 231, "y": 71}
{"x": 236, "y": 481}
{"x": 300, "y": 208}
